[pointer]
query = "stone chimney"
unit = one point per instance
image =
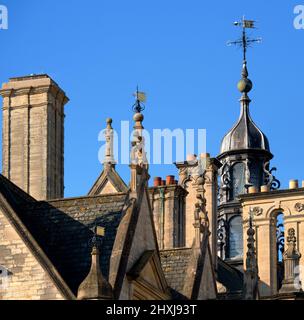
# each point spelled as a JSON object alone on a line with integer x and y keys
{"x": 33, "y": 135}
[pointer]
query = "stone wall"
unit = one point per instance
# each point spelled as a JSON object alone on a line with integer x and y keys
{"x": 22, "y": 277}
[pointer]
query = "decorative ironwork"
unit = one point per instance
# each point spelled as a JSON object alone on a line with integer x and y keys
{"x": 222, "y": 232}
{"x": 299, "y": 207}
{"x": 245, "y": 42}
{"x": 98, "y": 234}
{"x": 140, "y": 98}
{"x": 225, "y": 174}
{"x": 225, "y": 181}
{"x": 270, "y": 179}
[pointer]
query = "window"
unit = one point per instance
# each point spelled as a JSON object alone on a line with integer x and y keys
{"x": 236, "y": 238}
{"x": 238, "y": 180}
{"x": 280, "y": 248}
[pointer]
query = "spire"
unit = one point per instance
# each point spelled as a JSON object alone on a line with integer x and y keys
{"x": 245, "y": 134}
{"x": 95, "y": 286}
{"x": 109, "y": 152}
{"x": 251, "y": 277}
{"x": 138, "y": 156}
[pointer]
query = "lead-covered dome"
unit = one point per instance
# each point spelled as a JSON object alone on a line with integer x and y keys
{"x": 245, "y": 134}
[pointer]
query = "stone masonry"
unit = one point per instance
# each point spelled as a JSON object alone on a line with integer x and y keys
{"x": 33, "y": 135}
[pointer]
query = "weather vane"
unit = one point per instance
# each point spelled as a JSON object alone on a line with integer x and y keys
{"x": 245, "y": 41}
{"x": 140, "y": 99}
{"x": 98, "y": 234}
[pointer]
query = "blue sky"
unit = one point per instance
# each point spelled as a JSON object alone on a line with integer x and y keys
{"x": 98, "y": 51}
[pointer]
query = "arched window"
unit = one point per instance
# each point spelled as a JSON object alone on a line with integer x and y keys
{"x": 237, "y": 180}
{"x": 236, "y": 238}
{"x": 280, "y": 248}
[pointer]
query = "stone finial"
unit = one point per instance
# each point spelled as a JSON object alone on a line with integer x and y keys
{"x": 138, "y": 157}
{"x": 95, "y": 286}
{"x": 291, "y": 258}
{"x": 251, "y": 277}
{"x": 109, "y": 136}
{"x": 138, "y": 153}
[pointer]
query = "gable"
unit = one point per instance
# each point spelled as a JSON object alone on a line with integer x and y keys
{"x": 107, "y": 188}
{"x": 144, "y": 236}
{"x": 22, "y": 277}
{"x": 108, "y": 182}
{"x": 147, "y": 278}
{"x": 135, "y": 236}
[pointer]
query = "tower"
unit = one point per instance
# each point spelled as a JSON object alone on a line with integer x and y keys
{"x": 245, "y": 156}
{"x": 33, "y": 135}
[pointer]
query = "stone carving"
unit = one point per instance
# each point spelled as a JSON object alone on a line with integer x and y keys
{"x": 299, "y": 207}
{"x": 109, "y": 152}
{"x": 291, "y": 259}
{"x": 256, "y": 211}
{"x": 199, "y": 168}
{"x": 138, "y": 153}
{"x": 200, "y": 214}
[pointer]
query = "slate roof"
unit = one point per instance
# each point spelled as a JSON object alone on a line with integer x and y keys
{"x": 174, "y": 263}
{"x": 230, "y": 277}
{"x": 62, "y": 228}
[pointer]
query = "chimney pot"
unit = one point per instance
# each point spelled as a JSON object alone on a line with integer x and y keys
{"x": 253, "y": 189}
{"x": 265, "y": 188}
{"x": 170, "y": 180}
{"x": 157, "y": 181}
{"x": 293, "y": 184}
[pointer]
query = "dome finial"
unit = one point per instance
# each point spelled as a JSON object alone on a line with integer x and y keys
{"x": 245, "y": 84}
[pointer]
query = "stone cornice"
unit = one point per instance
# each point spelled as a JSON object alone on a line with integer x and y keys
{"x": 271, "y": 194}
{"x": 51, "y": 88}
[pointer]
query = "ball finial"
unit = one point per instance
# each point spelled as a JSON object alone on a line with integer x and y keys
{"x": 138, "y": 117}
{"x": 109, "y": 123}
{"x": 245, "y": 85}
